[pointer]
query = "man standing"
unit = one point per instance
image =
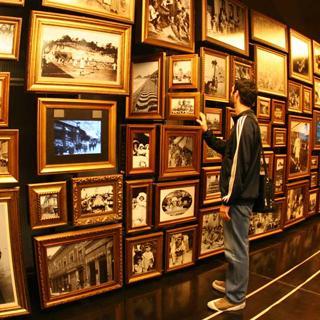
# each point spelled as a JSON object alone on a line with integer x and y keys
{"x": 239, "y": 185}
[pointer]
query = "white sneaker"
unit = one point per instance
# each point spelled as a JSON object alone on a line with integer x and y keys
{"x": 219, "y": 286}
{"x": 223, "y": 304}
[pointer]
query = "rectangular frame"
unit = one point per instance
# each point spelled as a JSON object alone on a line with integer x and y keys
{"x": 307, "y": 103}
{"x": 279, "y": 173}
{"x": 277, "y": 132}
{"x": 215, "y": 197}
{"x": 316, "y": 57}
{"x": 216, "y": 157}
{"x": 248, "y": 70}
{"x": 216, "y": 111}
{"x": 262, "y": 103}
{"x": 266, "y": 141}
{"x": 4, "y": 98}
{"x": 315, "y": 193}
{"x": 195, "y": 96}
{"x": 314, "y": 165}
{"x": 314, "y": 178}
{"x": 316, "y": 130}
{"x": 295, "y": 97}
{"x": 278, "y": 116}
{"x": 230, "y": 113}
{"x": 316, "y": 92}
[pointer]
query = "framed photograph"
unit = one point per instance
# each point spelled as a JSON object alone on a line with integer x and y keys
{"x": 10, "y": 34}
{"x": 313, "y": 202}
{"x": 299, "y": 147}
{"x": 295, "y": 97}
{"x": 279, "y": 173}
{"x": 263, "y": 107}
{"x": 214, "y": 119}
{"x": 300, "y": 57}
{"x": 230, "y": 113}
{"x": 48, "y": 205}
{"x": 297, "y": 202}
{"x": 169, "y": 25}
{"x": 210, "y": 239}
{"x": 78, "y": 55}
{"x": 279, "y": 138}
{"x": 4, "y": 98}
{"x": 307, "y": 99}
{"x": 180, "y": 248}
{"x": 314, "y": 162}
{"x": 265, "y": 130}
{"x": 316, "y": 57}
{"x": 139, "y": 205}
{"x": 268, "y": 155}
{"x": 269, "y": 31}
{"x": 176, "y": 202}
{"x": 214, "y": 75}
{"x": 9, "y": 156}
{"x": 225, "y": 23}
{"x": 116, "y": 10}
{"x": 278, "y": 112}
{"x": 78, "y": 264}
{"x": 13, "y": 284}
{"x": 209, "y": 155}
{"x": 314, "y": 177}
{"x": 210, "y": 188}
{"x": 183, "y": 106}
{"x": 76, "y": 135}
{"x": 241, "y": 69}
{"x": 13, "y": 2}
{"x": 147, "y": 97}
{"x": 316, "y": 130}
{"x": 271, "y": 75}
{"x": 316, "y": 92}
{"x": 180, "y": 151}
{"x": 97, "y": 199}
{"x": 141, "y": 148}
{"x": 183, "y": 72}
{"x": 144, "y": 257}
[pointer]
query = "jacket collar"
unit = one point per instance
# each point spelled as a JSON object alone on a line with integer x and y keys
{"x": 243, "y": 113}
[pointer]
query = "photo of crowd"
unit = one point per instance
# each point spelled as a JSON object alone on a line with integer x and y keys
{"x": 182, "y": 106}
{"x": 180, "y": 248}
{"x": 295, "y": 204}
{"x": 180, "y": 151}
{"x": 143, "y": 257}
{"x": 264, "y": 222}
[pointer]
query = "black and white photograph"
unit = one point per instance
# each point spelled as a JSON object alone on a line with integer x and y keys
{"x": 139, "y": 207}
{"x": 265, "y": 134}
{"x": 294, "y": 97}
{"x": 279, "y": 173}
{"x": 264, "y": 222}
{"x": 210, "y": 155}
{"x": 140, "y": 150}
{"x": 316, "y": 57}
{"x": 4, "y": 157}
{"x": 49, "y": 206}
{"x": 212, "y": 184}
{"x": 7, "y": 33}
{"x": 214, "y": 121}
{"x": 313, "y": 201}
{"x": 144, "y": 257}
{"x": 182, "y": 72}
{"x": 77, "y": 137}
{"x": 243, "y": 71}
{"x": 296, "y": 203}
{"x": 263, "y": 107}
{"x": 314, "y": 179}
{"x": 182, "y": 106}
{"x": 180, "y": 151}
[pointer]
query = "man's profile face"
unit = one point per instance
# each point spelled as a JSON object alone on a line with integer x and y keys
{"x": 233, "y": 97}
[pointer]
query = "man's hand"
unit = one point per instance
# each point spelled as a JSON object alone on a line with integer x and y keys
{"x": 224, "y": 213}
{"x": 203, "y": 122}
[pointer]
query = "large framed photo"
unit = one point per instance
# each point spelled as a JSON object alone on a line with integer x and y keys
{"x": 225, "y": 23}
{"x": 176, "y": 202}
{"x": 10, "y": 34}
{"x": 4, "y": 98}
{"x": 307, "y": 99}
{"x": 299, "y": 147}
{"x": 271, "y": 74}
{"x": 168, "y": 24}
{"x": 301, "y": 66}
{"x": 316, "y": 57}
{"x": 214, "y": 75}
{"x": 76, "y": 135}
{"x": 214, "y": 119}
{"x": 316, "y": 92}
{"x": 141, "y": 149}
{"x": 97, "y": 199}
{"x": 279, "y": 138}
{"x": 78, "y": 55}
{"x": 313, "y": 202}
{"x": 48, "y": 205}
{"x": 183, "y": 105}
{"x": 78, "y": 264}
{"x": 139, "y": 205}
{"x": 144, "y": 257}
{"x": 316, "y": 130}
{"x": 116, "y": 10}
{"x": 13, "y": 2}
{"x": 13, "y": 290}
{"x": 295, "y": 97}
{"x": 183, "y": 72}
{"x": 210, "y": 239}
{"x": 9, "y": 156}
{"x": 263, "y": 107}
{"x": 210, "y": 188}
{"x": 279, "y": 173}
{"x": 147, "y": 88}
{"x": 180, "y": 248}
{"x": 241, "y": 69}
{"x": 268, "y": 31}
{"x": 278, "y": 112}
{"x": 180, "y": 151}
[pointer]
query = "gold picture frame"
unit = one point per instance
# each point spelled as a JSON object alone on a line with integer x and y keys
{"x": 316, "y": 93}
{"x": 316, "y": 57}
{"x": 4, "y": 98}
{"x": 13, "y": 2}
{"x": 74, "y": 70}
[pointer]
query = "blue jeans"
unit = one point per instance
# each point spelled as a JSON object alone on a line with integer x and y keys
{"x": 236, "y": 244}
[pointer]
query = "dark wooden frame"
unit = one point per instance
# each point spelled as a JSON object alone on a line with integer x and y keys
{"x": 278, "y": 131}
{"x": 308, "y": 90}
{"x": 206, "y": 159}
{"x": 314, "y": 164}
{"x": 244, "y": 62}
{"x": 282, "y": 105}
{"x": 284, "y": 171}
{"x": 259, "y": 114}
{"x": 218, "y": 112}
{"x": 314, "y": 178}
{"x": 216, "y": 197}
{"x": 268, "y": 155}
{"x": 4, "y": 103}
{"x": 184, "y": 95}
{"x": 296, "y": 85}
{"x": 267, "y": 124}
{"x": 229, "y": 114}
{"x": 313, "y": 191}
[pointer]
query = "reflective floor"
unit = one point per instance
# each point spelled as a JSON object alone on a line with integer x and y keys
{"x": 184, "y": 294}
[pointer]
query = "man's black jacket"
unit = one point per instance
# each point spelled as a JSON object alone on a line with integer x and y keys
{"x": 239, "y": 179}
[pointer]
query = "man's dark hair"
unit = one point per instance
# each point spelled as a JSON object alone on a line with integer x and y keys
{"x": 247, "y": 91}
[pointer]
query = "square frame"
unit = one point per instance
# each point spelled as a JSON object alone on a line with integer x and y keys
{"x": 278, "y": 112}
{"x": 248, "y": 65}
{"x": 4, "y": 96}
{"x": 183, "y": 95}
{"x": 215, "y": 197}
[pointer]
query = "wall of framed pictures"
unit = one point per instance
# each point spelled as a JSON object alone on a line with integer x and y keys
{"x": 104, "y": 178}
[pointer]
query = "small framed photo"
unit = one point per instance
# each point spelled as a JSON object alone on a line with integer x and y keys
{"x": 295, "y": 97}
{"x": 316, "y": 57}
{"x": 180, "y": 151}
{"x": 265, "y": 130}
{"x": 183, "y": 72}
{"x": 183, "y": 106}
{"x": 76, "y": 135}
{"x": 225, "y": 23}
{"x": 144, "y": 257}
{"x": 279, "y": 138}
{"x": 214, "y": 119}
{"x": 314, "y": 178}
{"x": 48, "y": 205}
{"x": 214, "y": 75}
{"x": 147, "y": 88}
{"x": 97, "y": 199}
{"x": 176, "y": 202}
{"x": 10, "y": 37}
{"x": 316, "y": 92}
{"x": 297, "y": 202}
{"x": 307, "y": 99}
{"x": 230, "y": 113}
{"x": 89, "y": 261}
{"x": 241, "y": 69}
{"x": 301, "y": 66}
{"x": 141, "y": 148}
{"x": 210, "y": 239}
{"x": 314, "y": 162}
{"x": 13, "y": 2}
{"x": 9, "y": 156}
{"x": 316, "y": 130}
{"x": 313, "y": 201}
{"x": 4, "y": 98}
{"x": 180, "y": 248}
{"x": 139, "y": 205}
{"x": 209, "y": 155}
{"x": 210, "y": 188}
{"x": 269, "y": 157}
{"x": 278, "y": 112}
{"x": 279, "y": 173}
{"x": 263, "y": 107}
{"x": 13, "y": 284}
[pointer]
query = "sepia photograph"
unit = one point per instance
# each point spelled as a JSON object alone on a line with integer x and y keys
{"x": 263, "y": 107}
{"x": 230, "y": 113}
{"x": 241, "y": 69}
{"x": 314, "y": 177}
{"x": 295, "y": 97}
{"x": 316, "y": 93}
{"x": 4, "y": 98}
{"x": 180, "y": 151}
{"x": 214, "y": 119}
{"x": 314, "y": 162}
{"x": 278, "y": 112}
{"x": 139, "y": 207}
{"x": 225, "y": 22}
{"x": 210, "y": 155}
{"x": 210, "y": 188}
{"x": 261, "y": 223}
{"x": 313, "y": 201}
{"x": 140, "y": 150}
{"x": 279, "y": 174}
{"x": 279, "y": 138}
{"x": 183, "y": 105}
{"x": 307, "y": 99}
{"x": 316, "y": 130}
{"x": 265, "y": 131}
{"x": 316, "y": 57}
{"x": 268, "y": 155}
